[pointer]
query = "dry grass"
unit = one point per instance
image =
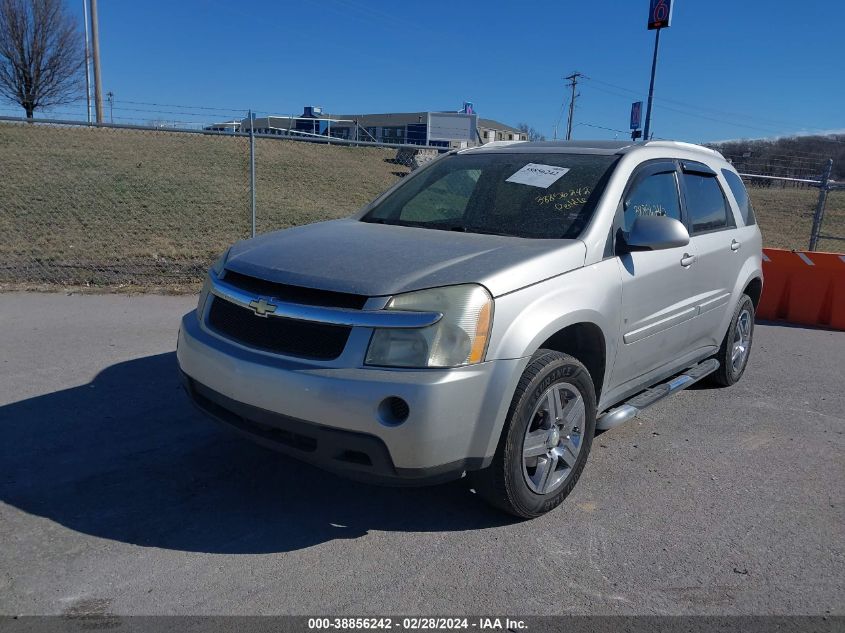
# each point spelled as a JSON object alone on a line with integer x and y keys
{"x": 104, "y": 208}
{"x": 785, "y": 217}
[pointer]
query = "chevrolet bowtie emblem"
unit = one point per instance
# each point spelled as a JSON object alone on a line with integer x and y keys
{"x": 262, "y": 307}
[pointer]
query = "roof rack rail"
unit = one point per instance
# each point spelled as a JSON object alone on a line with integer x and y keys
{"x": 682, "y": 145}
{"x": 494, "y": 144}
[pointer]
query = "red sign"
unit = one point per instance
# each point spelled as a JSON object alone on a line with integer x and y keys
{"x": 659, "y": 14}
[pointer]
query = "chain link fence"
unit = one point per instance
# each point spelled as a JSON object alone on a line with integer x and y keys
{"x": 792, "y": 196}
{"x": 831, "y": 233}
{"x": 129, "y": 207}
{"x": 806, "y": 214}
{"x": 784, "y": 212}
{"x": 117, "y": 207}
{"x": 300, "y": 182}
{"x": 126, "y": 207}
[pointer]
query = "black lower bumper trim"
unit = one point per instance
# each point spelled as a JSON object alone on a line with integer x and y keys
{"x": 356, "y": 455}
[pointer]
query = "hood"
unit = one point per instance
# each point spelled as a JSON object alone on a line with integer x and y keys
{"x": 379, "y": 259}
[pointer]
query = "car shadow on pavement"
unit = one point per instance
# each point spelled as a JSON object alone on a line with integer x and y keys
{"x": 127, "y": 457}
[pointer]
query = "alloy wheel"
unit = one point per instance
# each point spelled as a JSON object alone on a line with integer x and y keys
{"x": 742, "y": 341}
{"x": 553, "y": 438}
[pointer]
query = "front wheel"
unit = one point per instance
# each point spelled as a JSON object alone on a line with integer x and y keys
{"x": 736, "y": 346}
{"x": 546, "y": 438}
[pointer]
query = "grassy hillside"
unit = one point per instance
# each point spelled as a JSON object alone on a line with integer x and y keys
{"x": 115, "y": 208}
{"x": 102, "y": 206}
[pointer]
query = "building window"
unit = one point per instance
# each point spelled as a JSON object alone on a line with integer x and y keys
{"x": 393, "y": 134}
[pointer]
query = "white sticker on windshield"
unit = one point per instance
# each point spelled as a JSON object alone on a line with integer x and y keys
{"x": 538, "y": 175}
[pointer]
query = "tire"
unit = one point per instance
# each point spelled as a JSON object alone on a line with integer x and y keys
{"x": 730, "y": 371}
{"x": 530, "y": 486}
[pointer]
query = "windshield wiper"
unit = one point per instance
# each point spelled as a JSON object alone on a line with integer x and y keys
{"x": 439, "y": 226}
{"x": 478, "y": 229}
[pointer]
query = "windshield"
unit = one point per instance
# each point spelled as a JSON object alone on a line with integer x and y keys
{"x": 550, "y": 196}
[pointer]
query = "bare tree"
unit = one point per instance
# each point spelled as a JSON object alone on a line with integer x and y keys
{"x": 41, "y": 54}
{"x": 530, "y": 132}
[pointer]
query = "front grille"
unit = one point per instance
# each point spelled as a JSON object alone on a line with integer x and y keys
{"x": 295, "y": 294}
{"x": 276, "y": 334}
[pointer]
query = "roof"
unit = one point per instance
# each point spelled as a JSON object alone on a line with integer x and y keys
{"x": 574, "y": 147}
{"x": 496, "y": 125}
{"x": 225, "y": 123}
{"x": 607, "y": 148}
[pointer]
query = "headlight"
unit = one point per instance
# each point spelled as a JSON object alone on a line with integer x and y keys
{"x": 459, "y": 338}
{"x": 217, "y": 269}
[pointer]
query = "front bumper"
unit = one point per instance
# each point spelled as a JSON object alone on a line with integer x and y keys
{"x": 327, "y": 414}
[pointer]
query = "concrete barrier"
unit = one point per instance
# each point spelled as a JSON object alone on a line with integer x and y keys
{"x": 803, "y": 287}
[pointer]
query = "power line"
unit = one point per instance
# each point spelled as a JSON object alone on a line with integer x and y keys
{"x": 602, "y": 127}
{"x": 696, "y": 115}
{"x": 185, "y": 107}
{"x": 692, "y": 106}
{"x": 156, "y": 111}
{"x": 559, "y": 118}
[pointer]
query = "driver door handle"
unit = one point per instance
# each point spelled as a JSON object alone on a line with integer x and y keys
{"x": 735, "y": 245}
{"x": 687, "y": 260}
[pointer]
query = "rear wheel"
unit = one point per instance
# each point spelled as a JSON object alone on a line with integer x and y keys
{"x": 736, "y": 346}
{"x": 546, "y": 438}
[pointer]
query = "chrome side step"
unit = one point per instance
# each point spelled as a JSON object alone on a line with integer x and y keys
{"x": 631, "y": 407}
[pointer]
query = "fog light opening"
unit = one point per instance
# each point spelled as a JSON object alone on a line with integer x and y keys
{"x": 393, "y": 411}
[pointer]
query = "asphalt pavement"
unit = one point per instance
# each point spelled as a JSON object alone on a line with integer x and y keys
{"x": 116, "y": 497}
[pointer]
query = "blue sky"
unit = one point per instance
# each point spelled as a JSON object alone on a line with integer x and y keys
{"x": 728, "y": 69}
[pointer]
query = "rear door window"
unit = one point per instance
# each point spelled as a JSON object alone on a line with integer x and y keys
{"x": 707, "y": 208}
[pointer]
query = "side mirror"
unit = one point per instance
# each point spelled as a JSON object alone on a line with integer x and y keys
{"x": 654, "y": 233}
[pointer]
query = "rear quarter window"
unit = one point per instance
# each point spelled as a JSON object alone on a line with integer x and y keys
{"x": 741, "y": 195}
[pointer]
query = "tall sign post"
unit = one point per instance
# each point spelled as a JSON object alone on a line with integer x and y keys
{"x": 659, "y": 17}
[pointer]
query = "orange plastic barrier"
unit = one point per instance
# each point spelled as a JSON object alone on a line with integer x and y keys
{"x": 806, "y": 288}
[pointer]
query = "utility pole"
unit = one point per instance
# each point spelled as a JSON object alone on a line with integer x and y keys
{"x": 87, "y": 61}
{"x": 573, "y": 82}
{"x": 95, "y": 53}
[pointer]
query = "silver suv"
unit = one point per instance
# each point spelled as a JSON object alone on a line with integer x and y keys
{"x": 485, "y": 315}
